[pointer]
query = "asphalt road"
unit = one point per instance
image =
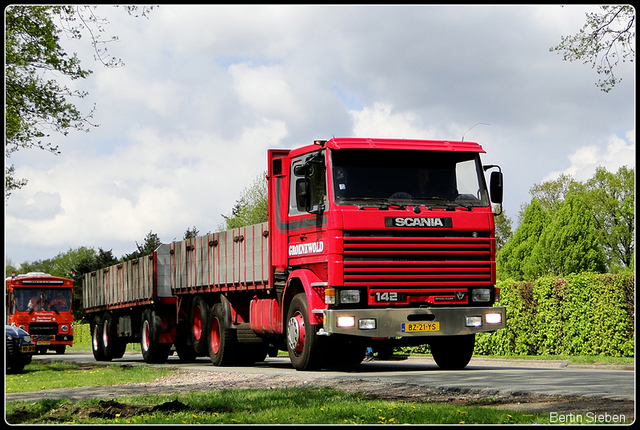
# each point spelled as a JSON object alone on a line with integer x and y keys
{"x": 515, "y": 376}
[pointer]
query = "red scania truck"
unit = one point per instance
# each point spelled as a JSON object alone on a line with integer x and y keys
{"x": 369, "y": 243}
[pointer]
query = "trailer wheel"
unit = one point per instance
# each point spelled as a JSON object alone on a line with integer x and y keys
{"x": 112, "y": 346}
{"x": 199, "y": 319}
{"x": 223, "y": 345}
{"x": 96, "y": 339}
{"x": 183, "y": 347}
{"x": 303, "y": 343}
{"x": 453, "y": 352}
{"x": 152, "y": 350}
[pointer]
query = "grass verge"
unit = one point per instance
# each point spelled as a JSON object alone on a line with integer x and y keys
{"x": 251, "y": 406}
{"x": 47, "y": 375}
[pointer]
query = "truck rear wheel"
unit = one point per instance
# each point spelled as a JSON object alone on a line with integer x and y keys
{"x": 303, "y": 342}
{"x": 112, "y": 346}
{"x": 453, "y": 352}
{"x": 199, "y": 320}
{"x": 223, "y": 345}
{"x": 96, "y": 339}
{"x": 152, "y": 350}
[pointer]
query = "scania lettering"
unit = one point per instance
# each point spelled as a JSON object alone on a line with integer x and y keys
{"x": 368, "y": 243}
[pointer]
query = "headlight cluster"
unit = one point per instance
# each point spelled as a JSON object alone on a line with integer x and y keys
{"x": 345, "y": 297}
{"x": 481, "y": 295}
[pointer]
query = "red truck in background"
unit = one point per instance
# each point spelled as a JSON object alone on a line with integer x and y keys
{"x": 369, "y": 243}
{"x": 41, "y": 305}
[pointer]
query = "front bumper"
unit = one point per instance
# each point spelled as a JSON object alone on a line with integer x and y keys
{"x": 390, "y": 322}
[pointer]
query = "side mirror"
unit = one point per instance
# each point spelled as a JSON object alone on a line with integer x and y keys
{"x": 303, "y": 195}
{"x": 496, "y": 187}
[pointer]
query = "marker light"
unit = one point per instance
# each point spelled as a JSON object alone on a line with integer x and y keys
{"x": 330, "y": 296}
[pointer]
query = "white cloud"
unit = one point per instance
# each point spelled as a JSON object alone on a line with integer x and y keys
{"x": 380, "y": 121}
{"x": 618, "y": 152}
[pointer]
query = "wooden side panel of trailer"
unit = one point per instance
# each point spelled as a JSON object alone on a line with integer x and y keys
{"x": 231, "y": 260}
{"x": 124, "y": 284}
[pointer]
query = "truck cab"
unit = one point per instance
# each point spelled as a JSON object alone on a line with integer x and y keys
{"x": 389, "y": 242}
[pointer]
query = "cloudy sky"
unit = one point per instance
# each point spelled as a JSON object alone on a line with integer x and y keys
{"x": 184, "y": 126}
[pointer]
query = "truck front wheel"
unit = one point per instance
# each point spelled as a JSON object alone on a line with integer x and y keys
{"x": 453, "y": 352}
{"x": 303, "y": 342}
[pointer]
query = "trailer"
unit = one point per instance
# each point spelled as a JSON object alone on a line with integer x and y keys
{"x": 369, "y": 243}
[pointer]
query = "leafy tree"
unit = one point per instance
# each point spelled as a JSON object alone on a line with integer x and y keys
{"x": 567, "y": 245}
{"x": 251, "y": 208}
{"x": 604, "y": 40}
{"x": 611, "y": 199}
{"x": 151, "y": 243}
{"x": 191, "y": 233}
{"x": 551, "y": 194}
{"x": 35, "y": 99}
{"x": 511, "y": 258}
{"x": 503, "y": 230}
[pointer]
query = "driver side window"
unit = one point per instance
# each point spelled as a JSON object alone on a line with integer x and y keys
{"x": 303, "y": 168}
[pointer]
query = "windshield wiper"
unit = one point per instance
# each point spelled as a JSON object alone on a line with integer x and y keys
{"x": 366, "y": 202}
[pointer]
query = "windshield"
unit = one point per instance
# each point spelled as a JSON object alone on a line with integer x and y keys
{"x": 42, "y": 299}
{"x": 394, "y": 177}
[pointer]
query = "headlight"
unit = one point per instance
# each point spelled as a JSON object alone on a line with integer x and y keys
{"x": 64, "y": 328}
{"x": 493, "y": 318}
{"x": 25, "y": 339}
{"x": 349, "y": 296}
{"x": 481, "y": 295}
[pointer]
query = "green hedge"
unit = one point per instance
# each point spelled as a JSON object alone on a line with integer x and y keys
{"x": 583, "y": 314}
{"x": 81, "y": 334}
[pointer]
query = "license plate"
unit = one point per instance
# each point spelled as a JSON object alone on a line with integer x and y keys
{"x": 27, "y": 349}
{"x": 43, "y": 342}
{"x": 420, "y": 326}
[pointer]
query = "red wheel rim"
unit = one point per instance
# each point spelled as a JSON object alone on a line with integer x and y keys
{"x": 197, "y": 323}
{"x": 215, "y": 336}
{"x": 145, "y": 335}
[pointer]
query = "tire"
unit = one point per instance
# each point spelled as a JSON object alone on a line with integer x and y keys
{"x": 60, "y": 349}
{"x": 223, "y": 345}
{"x": 112, "y": 346}
{"x": 15, "y": 369}
{"x": 185, "y": 350}
{"x": 303, "y": 343}
{"x": 198, "y": 322}
{"x": 347, "y": 352}
{"x": 152, "y": 350}
{"x": 453, "y": 352}
{"x": 96, "y": 339}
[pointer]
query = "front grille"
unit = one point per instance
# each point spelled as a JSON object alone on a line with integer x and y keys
{"x": 12, "y": 347}
{"x": 43, "y": 328}
{"x": 412, "y": 260}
